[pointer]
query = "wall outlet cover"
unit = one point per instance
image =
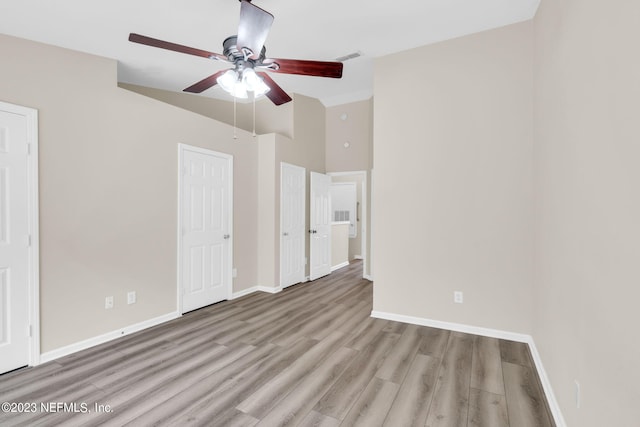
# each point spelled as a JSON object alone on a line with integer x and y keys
{"x": 458, "y": 297}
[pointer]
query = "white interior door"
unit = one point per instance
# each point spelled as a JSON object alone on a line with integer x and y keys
{"x": 292, "y": 222}
{"x": 206, "y": 245}
{"x": 14, "y": 242}
{"x": 320, "y": 226}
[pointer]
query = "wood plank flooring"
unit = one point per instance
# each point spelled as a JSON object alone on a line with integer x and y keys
{"x": 308, "y": 356}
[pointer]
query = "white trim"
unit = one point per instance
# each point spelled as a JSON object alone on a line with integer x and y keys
{"x": 109, "y": 336}
{"x": 268, "y": 289}
{"x": 358, "y": 257}
{"x": 368, "y": 277}
{"x": 33, "y": 212}
{"x": 371, "y": 257}
{"x": 554, "y": 407}
{"x": 181, "y": 149}
{"x": 179, "y": 235}
{"x": 458, "y": 327}
{"x": 339, "y": 266}
{"x": 493, "y": 333}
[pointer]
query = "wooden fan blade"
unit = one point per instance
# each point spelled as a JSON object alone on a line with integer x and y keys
{"x": 305, "y": 68}
{"x": 253, "y": 28}
{"x": 277, "y": 95}
{"x": 149, "y": 41}
{"x": 205, "y": 84}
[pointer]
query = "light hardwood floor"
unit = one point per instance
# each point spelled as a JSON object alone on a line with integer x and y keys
{"x": 308, "y": 356}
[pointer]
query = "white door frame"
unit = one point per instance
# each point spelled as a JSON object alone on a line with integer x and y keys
{"x": 303, "y": 247}
{"x": 181, "y": 149}
{"x": 31, "y": 116}
{"x": 363, "y": 218}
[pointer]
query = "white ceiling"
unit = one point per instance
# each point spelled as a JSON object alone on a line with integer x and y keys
{"x": 302, "y": 29}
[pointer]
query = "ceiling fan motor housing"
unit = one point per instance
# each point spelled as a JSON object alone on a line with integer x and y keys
{"x": 238, "y": 57}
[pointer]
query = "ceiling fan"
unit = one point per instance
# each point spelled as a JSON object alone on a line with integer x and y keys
{"x": 247, "y": 53}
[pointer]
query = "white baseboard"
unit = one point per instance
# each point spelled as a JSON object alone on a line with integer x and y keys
{"x": 546, "y": 385}
{"x": 368, "y": 277}
{"x": 269, "y": 289}
{"x": 358, "y": 257}
{"x": 493, "y": 333}
{"x": 458, "y": 327}
{"x": 109, "y": 336}
{"x": 339, "y": 266}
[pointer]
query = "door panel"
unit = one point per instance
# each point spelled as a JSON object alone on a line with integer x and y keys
{"x": 292, "y": 224}
{"x": 320, "y": 226}
{"x": 206, "y": 214}
{"x": 14, "y": 246}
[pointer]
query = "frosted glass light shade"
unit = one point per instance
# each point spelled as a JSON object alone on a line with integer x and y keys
{"x": 254, "y": 83}
{"x": 239, "y": 91}
{"x": 228, "y": 80}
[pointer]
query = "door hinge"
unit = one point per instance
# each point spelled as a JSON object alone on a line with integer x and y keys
{"x": 28, "y": 149}
{"x": 28, "y": 240}
{"x": 30, "y": 331}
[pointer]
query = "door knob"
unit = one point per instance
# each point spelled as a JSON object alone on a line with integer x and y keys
{"x": 285, "y": 234}
{"x": 226, "y": 236}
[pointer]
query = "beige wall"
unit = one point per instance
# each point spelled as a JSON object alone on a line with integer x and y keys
{"x": 587, "y": 87}
{"x": 108, "y": 190}
{"x": 268, "y": 117}
{"x": 565, "y": 274}
{"x": 339, "y": 244}
{"x": 357, "y": 130}
{"x": 268, "y": 222}
{"x": 453, "y": 180}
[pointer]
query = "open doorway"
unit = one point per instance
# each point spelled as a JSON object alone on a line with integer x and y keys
{"x": 357, "y": 216}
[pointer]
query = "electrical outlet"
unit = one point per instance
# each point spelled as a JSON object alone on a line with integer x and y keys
{"x": 458, "y": 297}
{"x": 131, "y": 297}
{"x": 577, "y": 392}
{"x": 108, "y": 303}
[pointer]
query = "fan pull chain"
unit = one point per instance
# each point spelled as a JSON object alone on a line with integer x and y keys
{"x": 254, "y": 114}
{"x": 235, "y": 135}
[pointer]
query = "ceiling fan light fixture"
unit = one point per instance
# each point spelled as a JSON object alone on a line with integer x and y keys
{"x": 232, "y": 84}
{"x": 239, "y": 91}
{"x": 228, "y": 80}
{"x": 254, "y": 83}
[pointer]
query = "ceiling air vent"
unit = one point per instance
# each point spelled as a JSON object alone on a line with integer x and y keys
{"x": 349, "y": 56}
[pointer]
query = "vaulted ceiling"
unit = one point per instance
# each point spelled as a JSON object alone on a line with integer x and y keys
{"x": 303, "y": 29}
